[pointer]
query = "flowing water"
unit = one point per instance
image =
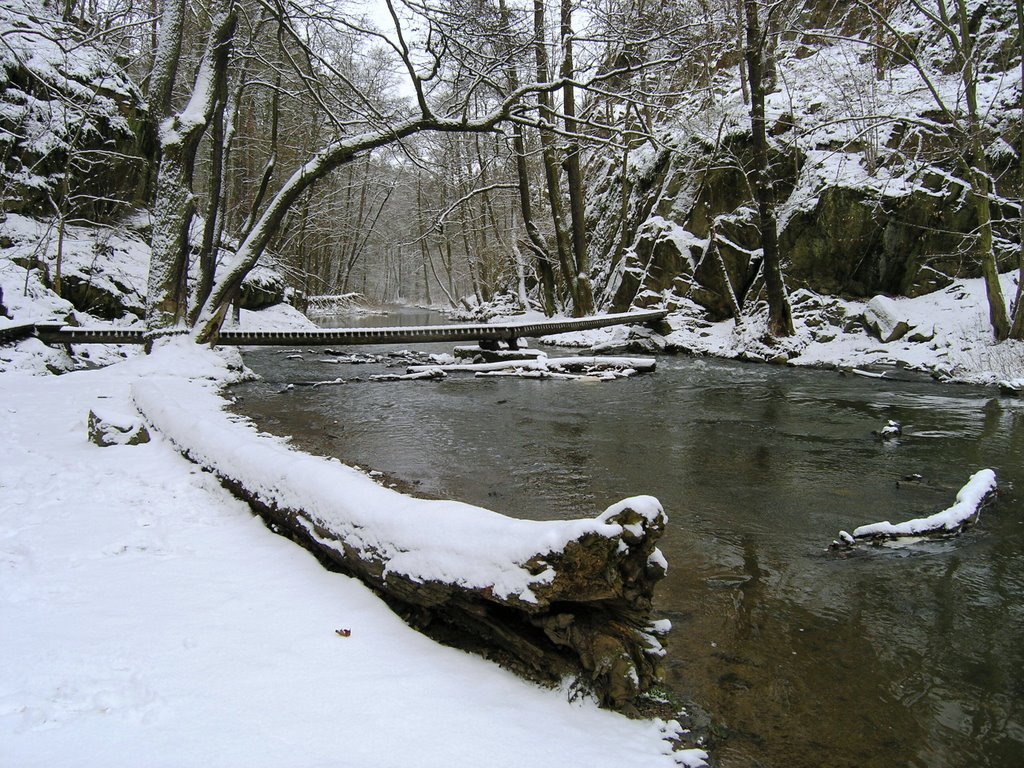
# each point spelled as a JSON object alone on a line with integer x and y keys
{"x": 891, "y": 657}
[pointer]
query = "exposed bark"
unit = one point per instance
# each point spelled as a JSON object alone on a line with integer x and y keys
{"x": 593, "y": 621}
{"x": 543, "y": 260}
{"x": 424, "y": 248}
{"x": 744, "y": 86}
{"x": 174, "y": 208}
{"x": 213, "y": 223}
{"x": 167, "y": 52}
{"x": 1017, "y": 324}
{"x": 780, "y": 318}
{"x": 981, "y": 180}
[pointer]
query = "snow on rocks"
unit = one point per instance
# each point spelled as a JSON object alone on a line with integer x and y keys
{"x": 950, "y": 341}
{"x": 979, "y": 491}
{"x": 116, "y": 427}
{"x": 882, "y": 317}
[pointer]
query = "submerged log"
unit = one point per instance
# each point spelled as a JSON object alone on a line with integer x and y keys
{"x": 551, "y": 599}
{"x": 979, "y": 491}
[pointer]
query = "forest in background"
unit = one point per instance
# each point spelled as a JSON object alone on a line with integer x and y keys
{"x": 566, "y": 157}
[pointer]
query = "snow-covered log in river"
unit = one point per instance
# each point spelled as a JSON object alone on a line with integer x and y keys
{"x": 551, "y": 599}
{"x": 979, "y": 491}
{"x": 569, "y": 367}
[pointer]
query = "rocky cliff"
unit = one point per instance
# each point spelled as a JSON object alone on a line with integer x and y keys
{"x": 866, "y": 173}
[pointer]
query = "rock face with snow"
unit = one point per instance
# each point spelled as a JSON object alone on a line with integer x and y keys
{"x": 867, "y": 203}
{"x": 49, "y": 68}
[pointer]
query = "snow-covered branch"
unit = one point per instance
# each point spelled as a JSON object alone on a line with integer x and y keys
{"x": 979, "y": 491}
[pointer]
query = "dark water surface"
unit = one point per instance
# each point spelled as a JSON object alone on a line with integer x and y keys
{"x": 892, "y": 657}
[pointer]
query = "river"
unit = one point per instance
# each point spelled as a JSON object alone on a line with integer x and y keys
{"x": 891, "y": 657}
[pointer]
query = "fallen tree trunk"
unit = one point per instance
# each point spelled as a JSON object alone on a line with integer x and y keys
{"x": 979, "y": 491}
{"x": 550, "y": 599}
{"x": 544, "y": 363}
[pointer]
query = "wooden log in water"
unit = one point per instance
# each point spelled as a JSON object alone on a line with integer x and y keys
{"x": 972, "y": 498}
{"x": 558, "y": 364}
{"x": 550, "y": 600}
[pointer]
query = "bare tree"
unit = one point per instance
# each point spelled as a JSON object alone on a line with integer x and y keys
{"x": 780, "y": 319}
{"x": 179, "y": 134}
{"x": 582, "y": 291}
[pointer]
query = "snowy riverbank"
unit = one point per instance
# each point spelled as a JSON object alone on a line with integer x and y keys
{"x": 948, "y": 337}
{"x": 148, "y": 618}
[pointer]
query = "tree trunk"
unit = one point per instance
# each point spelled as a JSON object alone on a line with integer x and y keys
{"x": 563, "y": 240}
{"x": 174, "y": 207}
{"x": 421, "y": 226}
{"x": 166, "y": 54}
{"x": 545, "y": 272}
{"x": 981, "y": 181}
{"x": 1017, "y": 326}
{"x": 212, "y": 224}
{"x": 584, "y": 304}
{"x": 780, "y": 319}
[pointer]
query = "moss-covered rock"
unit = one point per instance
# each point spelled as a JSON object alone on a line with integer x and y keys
{"x": 857, "y": 242}
{"x": 261, "y": 288}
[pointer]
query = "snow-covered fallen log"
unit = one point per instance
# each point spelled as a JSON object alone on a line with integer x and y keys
{"x": 583, "y": 365}
{"x": 979, "y": 491}
{"x": 550, "y": 599}
{"x": 496, "y": 355}
{"x": 431, "y": 374}
{"x": 519, "y": 373}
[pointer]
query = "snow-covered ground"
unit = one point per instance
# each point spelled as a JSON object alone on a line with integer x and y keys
{"x": 147, "y": 618}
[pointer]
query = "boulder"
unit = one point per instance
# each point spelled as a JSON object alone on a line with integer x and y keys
{"x": 108, "y": 427}
{"x": 883, "y": 318}
{"x": 261, "y": 288}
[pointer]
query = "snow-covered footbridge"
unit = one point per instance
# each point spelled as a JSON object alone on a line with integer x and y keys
{"x": 485, "y": 333}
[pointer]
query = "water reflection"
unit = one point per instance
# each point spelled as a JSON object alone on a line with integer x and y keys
{"x": 893, "y": 657}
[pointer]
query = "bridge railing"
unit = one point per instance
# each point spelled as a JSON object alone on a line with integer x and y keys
{"x": 482, "y": 332}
